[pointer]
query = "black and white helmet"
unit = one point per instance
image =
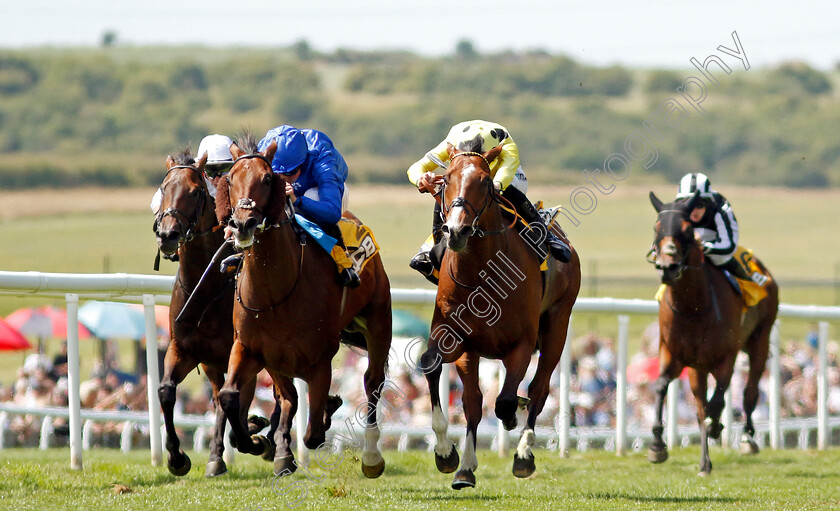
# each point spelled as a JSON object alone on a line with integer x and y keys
{"x": 694, "y": 182}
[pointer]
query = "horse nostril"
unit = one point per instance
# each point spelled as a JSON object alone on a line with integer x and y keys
{"x": 250, "y": 224}
{"x": 171, "y": 236}
{"x": 445, "y": 230}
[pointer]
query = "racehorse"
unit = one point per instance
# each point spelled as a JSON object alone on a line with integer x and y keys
{"x": 289, "y": 312}
{"x": 185, "y": 227}
{"x": 507, "y": 316}
{"x": 702, "y": 327}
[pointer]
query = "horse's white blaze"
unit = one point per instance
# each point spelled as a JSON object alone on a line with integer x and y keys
{"x": 443, "y": 445}
{"x": 469, "y": 461}
{"x": 526, "y": 441}
{"x": 453, "y": 221}
{"x": 370, "y": 452}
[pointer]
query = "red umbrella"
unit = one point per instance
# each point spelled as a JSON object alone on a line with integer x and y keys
{"x": 646, "y": 371}
{"x": 161, "y": 317}
{"x": 11, "y": 339}
{"x": 44, "y": 322}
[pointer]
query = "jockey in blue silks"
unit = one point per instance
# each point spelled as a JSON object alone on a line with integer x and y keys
{"x": 314, "y": 172}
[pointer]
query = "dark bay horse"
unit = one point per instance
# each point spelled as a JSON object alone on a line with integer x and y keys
{"x": 701, "y": 327}
{"x": 492, "y": 302}
{"x": 186, "y": 226}
{"x": 289, "y": 312}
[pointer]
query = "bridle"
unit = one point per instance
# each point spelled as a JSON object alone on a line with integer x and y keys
{"x": 187, "y": 223}
{"x": 249, "y": 204}
{"x": 682, "y": 266}
{"x": 461, "y": 201}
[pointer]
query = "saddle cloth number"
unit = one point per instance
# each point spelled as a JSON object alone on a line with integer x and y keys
{"x": 360, "y": 242}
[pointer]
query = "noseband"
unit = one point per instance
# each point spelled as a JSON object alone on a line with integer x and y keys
{"x": 249, "y": 203}
{"x": 461, "y": 201}
{"x": 190, "y": 221}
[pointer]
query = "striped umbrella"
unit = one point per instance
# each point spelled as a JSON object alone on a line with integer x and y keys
{"x": 43, "y": 322}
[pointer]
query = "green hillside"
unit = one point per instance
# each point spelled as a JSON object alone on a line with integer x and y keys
{"x": 108, "y": 116}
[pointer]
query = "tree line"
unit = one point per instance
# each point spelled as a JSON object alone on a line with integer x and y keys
{"x": 108, "y": 116}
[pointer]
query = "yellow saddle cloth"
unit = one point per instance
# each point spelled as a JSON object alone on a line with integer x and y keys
{"x": 360, "y": 242}
{"x": 752, "y": 292}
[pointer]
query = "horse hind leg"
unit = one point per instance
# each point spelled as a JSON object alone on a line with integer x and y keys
{"x": 281, "y": 424}
{"x": 378, "y": 338}
{"x": 507, "y": 403}
{"x": 698, "y": 388}
{"x": 758, "y": 348}
{"x": 715, "y": 406}
{"x": 215, "y": 464}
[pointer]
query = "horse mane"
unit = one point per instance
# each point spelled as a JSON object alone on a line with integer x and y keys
{"x": 223, "y": 207}
{"x": 184, "y": 157}
{"x": 474, "y": 145}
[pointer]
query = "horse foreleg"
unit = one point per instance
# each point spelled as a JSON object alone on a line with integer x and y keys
{"x": 718, "y": 401}
{"x": 242, "y": 369}
{"x": 281, "y": 423}
{"x": 215, "y": 464}
{"x": 668, "y": 370}
{"x": 431, "y": 363}
{"x": 175, "y": 368}
{"x": 507, "y": 402}
{"x": 698, "y": 380}
{"x": 467, "y": 367}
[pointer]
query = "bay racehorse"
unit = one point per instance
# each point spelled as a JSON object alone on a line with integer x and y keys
{"x": 289, "y": 312}
{"x": 186, "y": 230}
{"x": 492, "y": 302}
{"x": 702, "y": 328}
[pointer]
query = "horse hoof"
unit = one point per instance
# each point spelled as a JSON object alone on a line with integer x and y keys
{"x": 657, "y": 455}
{"x": 702, "y": 474}
{"x": 523, "y": 467}
{"x": 183, "y": 469}
{"x": 374, "y": 471}
{"x": 463, "y": 479}
{"x": 748, "y": 445}
{"x": 215, "y": 468}
{"x": 284, "y": 464}
{"x": 261, "y": 444}
{"x": 448, "y": 464}
{"x": 257, "y": 424}
{"x": 713, "y": 428}
{"x": 510, "y": 423}
{"x": 333, "y": 404}
{"x": 268, "y": 453}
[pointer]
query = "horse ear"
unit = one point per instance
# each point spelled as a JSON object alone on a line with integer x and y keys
{"x": 235, "y": 151}
{"x": 170, "y": 162}
{"x": 270, "y": 150}
{"x": 450, "y": 149}
{"x": 492, "y": 154}
{"x": 223, "y": 209}
{"x": 201, "y": 162}
{"x": 657, "y": 204}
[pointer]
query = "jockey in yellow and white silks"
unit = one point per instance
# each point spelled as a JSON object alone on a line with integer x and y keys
{"x": 508, "y": 178}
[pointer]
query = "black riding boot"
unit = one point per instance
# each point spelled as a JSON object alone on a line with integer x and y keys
{"x": 348, "y": 277}
{"x": 426, "y": 262}
{"x": 559, "y": 249}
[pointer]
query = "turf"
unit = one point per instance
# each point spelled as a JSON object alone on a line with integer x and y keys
{"x": 31, "y": 479}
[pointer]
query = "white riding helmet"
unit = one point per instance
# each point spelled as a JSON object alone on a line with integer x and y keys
{"x": 693, "y": 182}
{"x": 217, "y": 148}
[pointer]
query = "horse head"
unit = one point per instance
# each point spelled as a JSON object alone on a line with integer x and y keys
{"x": 251, "y": 196}
{"x": 674, "y": 241}
{"x": 183, "y": 196}
{"x": 467, "y": 193}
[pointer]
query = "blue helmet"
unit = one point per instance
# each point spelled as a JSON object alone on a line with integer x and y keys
{"x": 291, "y": 151}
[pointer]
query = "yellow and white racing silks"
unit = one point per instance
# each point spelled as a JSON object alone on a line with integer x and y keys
{"x": 502, "y": 169}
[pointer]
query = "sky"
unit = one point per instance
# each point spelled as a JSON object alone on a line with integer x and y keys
{"x": 654, "y": 33}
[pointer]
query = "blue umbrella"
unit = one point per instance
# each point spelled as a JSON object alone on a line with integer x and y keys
{"x": 406, "y": 324}
{"x": 113, "y": 320}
